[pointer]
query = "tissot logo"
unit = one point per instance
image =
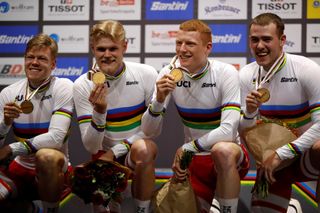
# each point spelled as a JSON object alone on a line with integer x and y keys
{"x": 208, "y": 85}
{"x": 277, "y": 6}
{"x": 132, "y": 82}
{"x": 65, "y": 8}
{"x": 292, "y": 79}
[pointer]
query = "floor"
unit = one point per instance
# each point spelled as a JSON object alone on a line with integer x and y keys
{"x": 302, "y": 192}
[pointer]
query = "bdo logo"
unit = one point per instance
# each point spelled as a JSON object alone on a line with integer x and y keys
{"x": 12, "y": 69}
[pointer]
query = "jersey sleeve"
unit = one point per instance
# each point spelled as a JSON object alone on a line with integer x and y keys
{"x": 5, "y": 97}
{"x": 152, "y": 119}
{"x": 310, "y": 78}
{"x": 246, "y": 86}
{"x": 60, "y": 120}
{"x": 91, "y": 123}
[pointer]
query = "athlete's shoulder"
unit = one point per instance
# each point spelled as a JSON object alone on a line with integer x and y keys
{"x": 301, "y": 61}
{"x": 81, "y": 79}
{"x": 15, "y": 86}
{"x": 139, "y": 66}
{"x": 223, "y": 69}
{"x": 62, "y": 83}
{"x": 142, "y": 69}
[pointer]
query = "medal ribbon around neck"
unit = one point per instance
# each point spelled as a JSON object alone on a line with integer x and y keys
{"x": 95, "y": 71}
{"x": 194, "y": 76}
{"x": 264, "y": 92}
{"x": 201, "y": 73}
{"x": 27, "y": 106}
{"x": 276, "y": 66}
{"x": 28, "y": 95}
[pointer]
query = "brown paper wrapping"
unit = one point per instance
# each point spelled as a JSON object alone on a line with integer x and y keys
{"x": 266, "y": 136}
{"x": 175, "y": 197}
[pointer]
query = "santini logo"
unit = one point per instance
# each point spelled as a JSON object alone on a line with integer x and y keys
{"x": 227, "y": 38}
{"x": 158, "y": 6}
{"x": 208, "y": 85}
{"x": 132, "y": 82}
{"x": 20, "y": 39}
{"x": 284, "y": 79}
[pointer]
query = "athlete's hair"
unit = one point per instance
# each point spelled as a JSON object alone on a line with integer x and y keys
{"x": 110, "y": 29}
{"x": 42, "y": 40}
{"x": 268, "y": 18}
{"x": 198, "y": 26}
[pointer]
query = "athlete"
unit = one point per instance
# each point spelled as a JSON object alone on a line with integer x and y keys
{"x": 109, "y": 111}
{"x": 291, "y": 81}
{"x": 38, "y": 109}
{"x": 207, "y": 98}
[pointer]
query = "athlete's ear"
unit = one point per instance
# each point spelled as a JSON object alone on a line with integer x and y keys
{"x": 53, "y": 64}
{"x": 208, "y": 48}
{"x": 283, "y": 39}
{"x": 125, "y": 46}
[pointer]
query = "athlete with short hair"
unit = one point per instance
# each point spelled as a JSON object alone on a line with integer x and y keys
{"x": 38, "y": 109}
{"x": 293, "y": 84}
{"x": 207, "y": 98}
{"x": 109, "y": 111}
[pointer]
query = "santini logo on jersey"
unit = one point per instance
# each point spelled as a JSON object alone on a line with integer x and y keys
{"x": 208, "y": 85}
{"x": 132, "y": 82}
{"x": 284, "y": 79}
{"x": 46, "y": 97}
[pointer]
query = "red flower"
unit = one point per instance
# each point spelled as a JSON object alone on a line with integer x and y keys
{"x": 99, "y": 181}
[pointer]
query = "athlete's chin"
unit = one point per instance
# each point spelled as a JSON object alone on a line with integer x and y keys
{"x": 108, "y": 69}
{"x": 261, "y": 61}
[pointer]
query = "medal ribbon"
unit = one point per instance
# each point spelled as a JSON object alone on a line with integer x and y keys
{"x": 276, "y": 66}
{"x": 28, "y": 95}
{"x": 197, "y": 75}
{"x": 95, "y": 69}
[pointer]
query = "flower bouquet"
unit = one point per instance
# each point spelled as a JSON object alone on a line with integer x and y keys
{"x": 99, "y": 181}
{"x": 262, "y": 140}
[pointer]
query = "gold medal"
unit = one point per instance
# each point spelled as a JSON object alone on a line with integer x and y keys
{"x": 98, "y": 78}
{"x": 265, "y": 95}
{"x": 26, "y": 107}
{"x": 177, "y": 74}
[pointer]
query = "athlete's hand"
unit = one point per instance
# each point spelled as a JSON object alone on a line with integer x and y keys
{"x": 11, "y": 111}
{"x": 178, "y": 173}
{"x": 252, "y": 103}
{"x": 108, "y": 156}
{"x": 98, "y": 98}
{"x": 5, "y": 153}
{"x": 269, "y": 165}
{"x": 164, "y": 86}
